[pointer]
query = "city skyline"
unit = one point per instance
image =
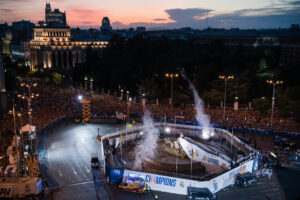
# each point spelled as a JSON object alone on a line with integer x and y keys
{"x": 156, "y": 14}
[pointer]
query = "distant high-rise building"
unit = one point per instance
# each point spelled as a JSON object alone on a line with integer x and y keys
{"x": 105, "y": 29}
{"x": 54, "y": 18}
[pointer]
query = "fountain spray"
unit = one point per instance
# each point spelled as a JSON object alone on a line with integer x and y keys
{"x": 201, "y": 117}
{"x": 148, "y": 144}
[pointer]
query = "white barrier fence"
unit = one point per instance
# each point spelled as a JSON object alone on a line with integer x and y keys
{"x": 179, "y": 185}
{"x": 201, "y": 155}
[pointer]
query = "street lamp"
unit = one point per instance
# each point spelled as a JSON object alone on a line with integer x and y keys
{"x": 29, "y": 98}
{"x": 22, "y": 138}
{"x": 171, "y": 76}
{"x": 85, "y": 82}
{"x": 127, "y": 95}
{"x": 121, "y": 94}
{"x": 91, "y": 84}
{"x": 79, "y": 97}
{"x": 274, "y": 83}
{"x": 20, "y": 116}
{"x": 225, "y": 78}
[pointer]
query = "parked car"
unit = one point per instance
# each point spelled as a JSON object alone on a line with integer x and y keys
{"x": 245, "y": 179}
{"x": 200, "y": 193}
{"x": 95, "y": 162}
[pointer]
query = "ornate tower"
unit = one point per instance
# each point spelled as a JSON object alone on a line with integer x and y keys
{"x": 47, "y": 11}
{"x": 105, "y": 28}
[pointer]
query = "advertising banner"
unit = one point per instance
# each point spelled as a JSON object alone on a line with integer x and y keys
{"x": 200, "y": 155}
{"x": 228, "y": 178}
{"x": 6, "y": 191}
{"x": 116, "y": 175}
{"x": 165, "y": 183}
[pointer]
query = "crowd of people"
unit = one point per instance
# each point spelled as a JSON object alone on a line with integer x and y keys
{"x": 53, "y": 103}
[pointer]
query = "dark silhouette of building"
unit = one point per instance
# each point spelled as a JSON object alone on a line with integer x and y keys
{"x": 54, "y": 18}
{"x": 105, "y": 29}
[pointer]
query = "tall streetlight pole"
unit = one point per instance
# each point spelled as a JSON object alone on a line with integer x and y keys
{"x": 21, "y": 124}
{"x": 29, "y": 98}
{"x": 172, "y": 76}
{"x": 225, "y": 78}
{"x": 274, "y": 83}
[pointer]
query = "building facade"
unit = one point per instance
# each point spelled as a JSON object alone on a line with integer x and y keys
{"x": 52, "y": 45}
{"x": 55, "y": 17}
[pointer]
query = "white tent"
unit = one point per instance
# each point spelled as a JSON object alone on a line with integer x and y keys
{"x": 28, "y": 128}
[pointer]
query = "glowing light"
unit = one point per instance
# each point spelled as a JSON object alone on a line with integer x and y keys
{"x": 205, "y": 133}
{"x": 273, "y": 154}
{"x": 168, "y": 129}
{"x": 79, "y": 97}
{"x": 141, "y": 133}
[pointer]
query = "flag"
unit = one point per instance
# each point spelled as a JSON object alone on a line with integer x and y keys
{"x": 129, "y": 125}
{"x": 193, "y": 154}
{"x": 180, "y": 153}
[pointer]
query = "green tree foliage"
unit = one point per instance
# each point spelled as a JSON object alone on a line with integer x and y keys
{"x": 213, "y": 97}
{"x": 56, "y": 78}
{"x": 261, "y": 104}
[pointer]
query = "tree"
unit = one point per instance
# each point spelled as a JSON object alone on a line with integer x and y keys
{"x": 213, "y": 96}
{"x": 56, "y": 78}
{"x": 261, "y": 105}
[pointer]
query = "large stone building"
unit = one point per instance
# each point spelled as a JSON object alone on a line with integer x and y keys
{"x": 52, "y": 44}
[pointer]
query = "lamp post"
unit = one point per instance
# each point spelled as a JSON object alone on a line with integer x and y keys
{"x": 22, "y": 138}
{"x": 91, "y": 85}
{"x": 274, "y": 83}
{"x": 29, "y": 98}
{"x": 225, "y": 78}
{"x": 85, "y": 82}
{"x": 21, "y": 124}
{"x": 127, "y": 95}
{"x": 13, "y": 113}
{"x": 171, "y": 76}
{"x": 121, "y": 94}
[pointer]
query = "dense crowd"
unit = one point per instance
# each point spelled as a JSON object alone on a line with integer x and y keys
{"x": 54, "y": 103}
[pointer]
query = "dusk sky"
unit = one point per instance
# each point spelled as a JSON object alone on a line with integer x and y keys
{"x": 161, "y": 13}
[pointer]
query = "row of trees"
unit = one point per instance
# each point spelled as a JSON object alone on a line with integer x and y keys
{"x": 139, "y": 66}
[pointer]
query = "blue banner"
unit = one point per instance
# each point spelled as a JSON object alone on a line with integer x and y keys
{"x": 116, "y": 175}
